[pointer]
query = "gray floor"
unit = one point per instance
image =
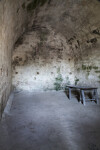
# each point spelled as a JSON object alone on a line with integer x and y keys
{"x": 49, "y": 121}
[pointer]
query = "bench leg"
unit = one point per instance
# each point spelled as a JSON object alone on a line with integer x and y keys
{"x": 93, "y": 94}
{"x": 80, "y": 96}
{"x": 70, "y": 93}
{"x": 96, "y": 96}
{"x": 83, "y": 97}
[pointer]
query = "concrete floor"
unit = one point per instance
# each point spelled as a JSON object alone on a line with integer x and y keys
{"x": 49, "y": 121}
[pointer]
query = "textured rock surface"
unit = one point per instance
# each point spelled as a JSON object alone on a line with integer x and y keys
{"x": 60, "y": 46}
{"x": 13, "y": 20}
{"x": 41, "y": 59}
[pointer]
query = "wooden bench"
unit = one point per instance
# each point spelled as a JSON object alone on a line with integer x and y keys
{"x": 82, "y": 91}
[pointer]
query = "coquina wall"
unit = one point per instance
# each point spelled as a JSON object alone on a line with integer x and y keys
{"x": 13, "y": 21}
{"x": 61, "y": 45}
{"x": 41, "y": 61}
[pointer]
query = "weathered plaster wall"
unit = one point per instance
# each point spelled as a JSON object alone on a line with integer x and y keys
{"x": 13, "y": 21}
{"x": 40, "y": 59}
{"x": 60, "y": 46}
{"x": 88, "y": 65}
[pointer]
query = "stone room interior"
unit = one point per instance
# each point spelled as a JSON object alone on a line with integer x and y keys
{"x": 49, "y": 74}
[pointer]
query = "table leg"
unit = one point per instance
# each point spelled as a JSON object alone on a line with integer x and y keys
{"x": 83, "y": 97}
{"x": 93, "y": 94}
{"x": 96, "y": 96}
{"x": 80, "y": 96}
{"x": 70, "y": 93}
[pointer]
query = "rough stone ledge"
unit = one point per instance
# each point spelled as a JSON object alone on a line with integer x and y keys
{"x": 8, "y": 105}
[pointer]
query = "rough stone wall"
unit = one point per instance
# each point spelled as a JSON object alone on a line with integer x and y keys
{"x": 88, "y": 65}
{"x": 13, "y": 19}
{"x": 41, "y": 62}
{"x": 60, "y": 46}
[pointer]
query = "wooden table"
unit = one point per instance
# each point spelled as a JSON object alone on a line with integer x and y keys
{"x": 82, "y": 93}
